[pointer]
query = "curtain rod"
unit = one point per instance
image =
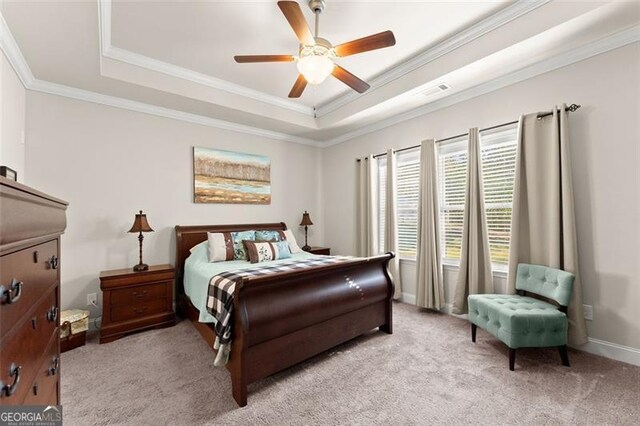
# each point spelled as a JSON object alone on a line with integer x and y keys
{"x": 570, "y": 108}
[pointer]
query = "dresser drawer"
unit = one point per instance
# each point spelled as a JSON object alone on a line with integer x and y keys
{"x": 44, "y": 388}
{"x": 139, "y": 294}
{"x": 26, "y": 345}
{"x": 138, "y": 311}
{"x": 31, "y": 268}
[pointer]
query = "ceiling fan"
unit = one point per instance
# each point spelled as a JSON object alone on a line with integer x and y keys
{"x": 316, "y": 56}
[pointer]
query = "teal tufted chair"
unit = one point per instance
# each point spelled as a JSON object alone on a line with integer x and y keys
{"x": 521, "y": 321}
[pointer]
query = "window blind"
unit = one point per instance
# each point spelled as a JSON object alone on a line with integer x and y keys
{"x": 382, "y": 199}
{"x": 498, "y": 150}
{"x": 408, "y": 191}
{"x": 452, "y": 179}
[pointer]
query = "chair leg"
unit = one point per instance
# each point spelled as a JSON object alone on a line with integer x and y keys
{"x": 512, "y": 358}
{"x": 473, "y": 332}
{"x": 564, "y": 355}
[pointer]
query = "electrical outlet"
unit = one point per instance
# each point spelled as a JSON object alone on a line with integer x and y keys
{"x": 588, "y": 312}
{"x": 92, "y": 299}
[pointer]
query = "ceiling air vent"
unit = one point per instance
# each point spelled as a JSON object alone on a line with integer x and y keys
{"x": 434, "y": 90}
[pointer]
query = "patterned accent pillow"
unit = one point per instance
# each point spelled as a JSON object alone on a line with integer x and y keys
{"x": 239, "y": 249}
{"x": 220, "y": 246}
{"x": 270, "y": 236}
{"x": 264, "y": 251}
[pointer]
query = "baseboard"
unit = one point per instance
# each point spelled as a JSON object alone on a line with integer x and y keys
{"x": 593, "y": 346}
{"x": 408, "y": 298}
{"x": 611, "y": 350}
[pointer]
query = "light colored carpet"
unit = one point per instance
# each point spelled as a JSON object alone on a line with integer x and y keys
{"x": 427, "y": 372}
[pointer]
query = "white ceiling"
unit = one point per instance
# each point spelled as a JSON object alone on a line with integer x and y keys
{"x": 204, "y": 36}
{"x": 175, "y": 59}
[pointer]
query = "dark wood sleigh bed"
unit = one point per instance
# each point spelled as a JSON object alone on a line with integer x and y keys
{"x": 282, "y": 319}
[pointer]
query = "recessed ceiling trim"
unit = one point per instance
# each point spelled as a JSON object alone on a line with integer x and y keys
{"x": 467, "y": 35}
{"x": 602, "y": 45}
{"x": 112, "y": 52}
{"x": 15, "y": 57}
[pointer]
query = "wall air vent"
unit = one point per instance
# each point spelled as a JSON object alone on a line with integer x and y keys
{"x": 434, "y": 90}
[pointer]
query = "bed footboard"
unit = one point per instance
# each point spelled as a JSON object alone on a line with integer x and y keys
{"x": 285, "y": 318}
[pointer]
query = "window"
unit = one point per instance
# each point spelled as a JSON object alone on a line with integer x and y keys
{"x": 408, "y": 170}
{"x": 498, "y": 150}
{"x": 498, "y": 156}
{"x": 452, "y": 180}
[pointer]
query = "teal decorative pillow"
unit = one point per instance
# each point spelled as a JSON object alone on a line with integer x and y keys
{"x": 239, "y": 249}
{"x": 270, "y": 236}
{"x": 264, "y": 251}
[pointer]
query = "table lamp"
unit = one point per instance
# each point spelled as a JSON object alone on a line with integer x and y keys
{"x": 140, "y": 225}
{"x": 306, "y": 222}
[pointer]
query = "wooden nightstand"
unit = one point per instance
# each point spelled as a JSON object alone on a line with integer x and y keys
{"x": 320, "y": 250}
{"x": 135, "y": 301}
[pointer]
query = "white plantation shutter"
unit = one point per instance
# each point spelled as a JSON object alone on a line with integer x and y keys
{"x": 498, "y": 150}
{"x": 382, "y": 199}
{"x": 452, "y": 179}
{"x": 408, "y": 187}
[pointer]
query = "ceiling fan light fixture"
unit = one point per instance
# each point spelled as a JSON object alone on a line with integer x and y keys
{"x": 315, "y": 68}
{"x": 316, "y": 62}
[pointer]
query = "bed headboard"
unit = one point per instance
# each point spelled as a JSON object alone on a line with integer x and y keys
{"x": 189, "y": 236}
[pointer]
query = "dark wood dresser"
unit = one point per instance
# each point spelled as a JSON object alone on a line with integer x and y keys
{"x": 30, "y": 227}
{"x": 135, "y": 301}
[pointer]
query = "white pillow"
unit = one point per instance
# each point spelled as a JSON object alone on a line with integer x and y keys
{"x": 220, "y": 246}
{"x": 293, "y": 245}
{"x": 192, "y": 249}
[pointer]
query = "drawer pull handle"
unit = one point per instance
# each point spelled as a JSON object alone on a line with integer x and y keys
{"x": 13, "y": 293}
{"x": 14, "y": 371}
{"x": 55, "y": 364}
{"x": 140, "y": 295}
{"x": 53, "y": 262}
{"x": 35, "y": 256}
{"x": 140, "y": 311}
{"x": 52, "y": 314}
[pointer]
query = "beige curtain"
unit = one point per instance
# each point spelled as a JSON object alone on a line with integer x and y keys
{"x": 430, "y": 290}
{"x": 543, "y": 229}
{"x": 367, "y": 223}
{"x": 391, "y": 221}
{"x": 474, "y": 275}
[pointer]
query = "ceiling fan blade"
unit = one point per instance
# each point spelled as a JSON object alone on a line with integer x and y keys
{"x": 293, "y": 13}
{"x": 298, "y": 87}
{"x": 241, "y": 59}
{"x": 349, "y": 79}
{"x": 365, "y": 44}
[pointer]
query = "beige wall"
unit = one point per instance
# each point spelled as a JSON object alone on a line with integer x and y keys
{"x": 605, "y": 137}
{"x": 12, "y": 119}
{"x": 108, "y": 163}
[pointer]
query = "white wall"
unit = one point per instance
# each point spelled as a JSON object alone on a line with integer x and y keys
{"x": 12, "y": 119}
{"x": 605, "y": 135}
{"x": 109, "y": 163}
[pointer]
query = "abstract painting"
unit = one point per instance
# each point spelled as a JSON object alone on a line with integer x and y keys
{"x": 230, "y": 177}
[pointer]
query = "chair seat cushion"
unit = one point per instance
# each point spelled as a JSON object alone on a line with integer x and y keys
{"x": 519, "y": 321}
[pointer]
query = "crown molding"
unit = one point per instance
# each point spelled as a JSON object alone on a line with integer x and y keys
{"x": 113, "y": 101}
{"x": 107, "y": 50}
{"x": 19, "y": 64}
{"x": 602, "y": 45}
{"x": 491, "y": 23}
{"x": 14, "y": 55}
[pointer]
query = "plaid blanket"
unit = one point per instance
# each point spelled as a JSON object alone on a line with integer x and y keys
{"x": 222, "y": 287}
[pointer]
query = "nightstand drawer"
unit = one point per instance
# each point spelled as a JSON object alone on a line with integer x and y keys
{"x": 138, "y": 294}
{"x": 139, "y": 310}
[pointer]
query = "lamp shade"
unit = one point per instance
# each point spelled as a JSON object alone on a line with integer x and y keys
{"x": 140, "y": 223}
{"x": 306, "y": 220}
